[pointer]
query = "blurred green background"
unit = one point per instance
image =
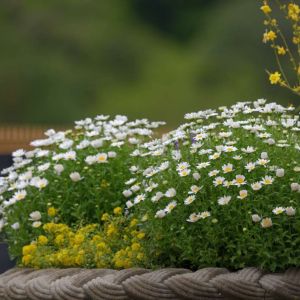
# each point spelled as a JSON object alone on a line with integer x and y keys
{"x": 63, "y": 60}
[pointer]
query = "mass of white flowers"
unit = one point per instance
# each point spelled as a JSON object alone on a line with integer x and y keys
{"x": 78, "y": 172}
{"x": 231, "y": 172}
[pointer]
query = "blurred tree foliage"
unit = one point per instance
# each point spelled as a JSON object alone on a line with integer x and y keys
{"x": 66, "y": 59}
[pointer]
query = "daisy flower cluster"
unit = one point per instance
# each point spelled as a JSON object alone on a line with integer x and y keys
{"x": 222, "y": 189}
{"x": 78, "y": 172}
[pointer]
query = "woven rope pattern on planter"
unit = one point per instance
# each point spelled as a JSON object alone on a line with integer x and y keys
{"x": 208, "y": 283}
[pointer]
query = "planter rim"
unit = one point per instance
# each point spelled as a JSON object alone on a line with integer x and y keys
{"x": 138, "y": 283}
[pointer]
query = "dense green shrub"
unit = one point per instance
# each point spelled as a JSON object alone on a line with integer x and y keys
{"x": 79, "y": 173}
{"x": 222, "y": 189}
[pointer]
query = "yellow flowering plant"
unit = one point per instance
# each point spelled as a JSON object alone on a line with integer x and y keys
{"x": 286, "y": 49}
{"x": 116, "y": 244}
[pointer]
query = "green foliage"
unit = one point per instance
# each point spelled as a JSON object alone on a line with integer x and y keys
{"x": 65, "y": 59}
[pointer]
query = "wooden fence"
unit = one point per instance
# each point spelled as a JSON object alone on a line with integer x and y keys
{"x": 14, "y": 137}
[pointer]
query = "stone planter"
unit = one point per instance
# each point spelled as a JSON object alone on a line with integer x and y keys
{"x": 142, "y": 284}
{"x": 5, "y": 262}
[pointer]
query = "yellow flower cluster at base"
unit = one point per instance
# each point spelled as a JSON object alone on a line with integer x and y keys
{"x": 116, "y": 244}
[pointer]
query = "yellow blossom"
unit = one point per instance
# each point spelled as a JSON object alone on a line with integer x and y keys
{"x": 135, "y": 246}
{"x": 296, "y": 40}
{"x": 293, "y": 12}
{"x": 26, "y": 259}
{"x": 140, "y": 256}
{"x": 52, "y": 212}
{"x": 275, "y": 78}
{"x": 269, "y": 36}
{"x": 78, "y": 239}
{"x": 111, "y": 230}
{"x": 117, "y": 210}
{"x": 141, "y": 235}
{"x": 105, "y": 217}
{"x": 281, "y": 50}
{"x": 59, "y": 240}
{"x": 104, "y": 184}
{"x": 42, "y": 240}
{"x": 266, "y": 8}
{"x": 133, "y": 222}
{"x": 28, "y": 249}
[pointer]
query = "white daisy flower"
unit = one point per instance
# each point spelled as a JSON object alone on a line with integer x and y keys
{"x": 290, "y": 211}
{"x": 170, "y": 206}
{"x": 195, "y": 189}
{"x": 35, "y": 216}
{"x": 40, "y": 183}
{"x": 205, "y": 214}
{"x": 200, "y": 136}
{"x": 43, "y": 167}
{"x": 250, "y": 166}
{"x": 36, "y": 224}
{"x": 127, "y": 193}
{"x": 227, "y": 168}
{"x": 224, "y": 200}
{"x": 224, "y": 134}
{"x": 229, "y": 149}
{"x": 264, "y": 155}
{"x": 135, "y": 188}
{"x": 213, "y": 173}
{"x": 184, "y": 173}
{"x": 189, "y": 200}
{"x": 278, "y": 210}
{"x": 129, "y": 204}
{"x": 91, "y": 159}
{"x": 130, "y": 181}
{"x": 237, "y": 157}
{"x": 170, "y": 193}
{"x": 228, "y": 183}
{"x": 139, "y": 198}
{"x": 75, "y": 176}
{"x": 218, "y": 181}
{"x": 19, "y": 153}
{"x": 157, "y": 197}
{"x": 280, "y": 172}
{"x": 15, "y": 226}
{"x": 239, "y": 180}
{"x": 256, "y": 218}
{"x": 112, "y": 154}
{"x": 160, "y": 214}
{"x": 196, "y": 176}
{"x": 295, "y": 187}
{"x": 101, "y": 158}
{"x": 256, "y": 186}
{"x": 249, "y": 149}
{"x": 262, "y": 162}
{"x": 203, "y": 165}
{"x": 164, "y": 166}
{"x": 182, "y": 166}
{"x": 266, "y": 223}
{"x": 193, "y": 218}
{"x": 19, "y": 195}
{"x": 243, "y": 194}
{"x": 58, "y": 169}
{"x": 70, "y": 155}
{"x": 267, "y": 180}
{"x": 214, "y": 156}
